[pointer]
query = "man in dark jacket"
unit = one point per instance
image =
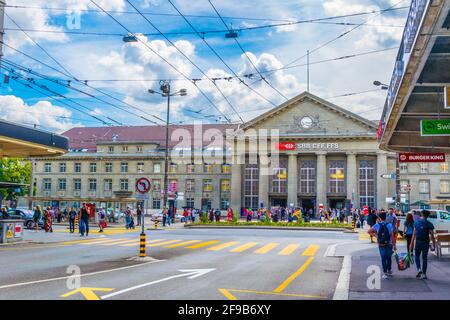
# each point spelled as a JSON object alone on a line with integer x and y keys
{"x": 371, "y": 221}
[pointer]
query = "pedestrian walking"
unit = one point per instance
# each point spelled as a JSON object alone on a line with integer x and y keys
{"x": 48, "y": 220}
{"x": 371, "y": 221}
{"x": 211, "y": 215}
{"x": 72, "y": 216}
{"x": 423, "y": 232}
{"x": 385, "y": 233}
{"x": 84, "y": 220}
{"x": 101, "y": 220}
{"x": 392, "y": 219}
{"x": 193, "y": 212}
{"x": 138, "y": 215}
{"x": 164, "y": 217}
{"x": 37, "y": 217}
{"x": 408, "y": 230}
{"x": 230, "y": 215}
{"x": 185, "y": 215}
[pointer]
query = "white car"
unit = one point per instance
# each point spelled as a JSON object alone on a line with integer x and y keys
{"x": 439, "y": 218}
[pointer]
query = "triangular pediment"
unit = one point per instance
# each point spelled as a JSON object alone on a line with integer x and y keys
{"x": 307, "y": 114}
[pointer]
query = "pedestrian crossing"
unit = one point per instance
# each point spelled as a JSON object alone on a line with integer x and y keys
{"x": 107, "y": 231}
{"x": 237, "y": 247}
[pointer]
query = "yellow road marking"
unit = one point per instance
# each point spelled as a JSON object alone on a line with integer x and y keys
{"x": 244, "y": 247}
{"x": 88, "y": 293}
{"x": 288, "y": 250}
{"x": 182, "y": 244}
{"x": 311, "y": 250}
{"x": 137, "y": 242}
{"x": 203, "y": 244}
{"x": 101, "y": 242}
{"x": 267, "y": 248}
{"x": 227, "y": 293}
{"x": 286, "y": 282}
{"x": 85, "y": 241}
{"x": 117, "y": 242}
{"x": 163, "y": 243}
{"x": 223, "y": 246}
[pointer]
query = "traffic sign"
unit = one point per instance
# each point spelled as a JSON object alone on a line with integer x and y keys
{"x": 389, "y": 176}
{"x": 142, "y": 196}
{"x": 431, "y": 128}
{"x": 143, "y": 185}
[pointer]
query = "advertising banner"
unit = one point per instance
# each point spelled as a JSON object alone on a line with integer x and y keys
{"x": 422, "y": 157}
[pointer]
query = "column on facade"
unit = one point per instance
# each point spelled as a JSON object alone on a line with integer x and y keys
{"x": 352, "y": 179}
{"x": 236, "y": 183}
{"x": 292, "y": 180}
{"x": 321, "y": 179}
{"x": 382, "y": 184}
{"x": 263, "y": 188}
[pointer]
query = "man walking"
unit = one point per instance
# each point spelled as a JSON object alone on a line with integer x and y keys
{"x": 384, "y": 232}
{"x": 423, "y": 231}
{"x": 139, "y": 215}
{"x": 371, "y": 221}
{"x": 84, "y": 221}
{"x": 72, "y": 216}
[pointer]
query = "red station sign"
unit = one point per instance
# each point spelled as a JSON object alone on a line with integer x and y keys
{"x": 422, "y": 157}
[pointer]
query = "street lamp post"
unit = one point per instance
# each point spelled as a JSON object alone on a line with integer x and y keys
{"x": 165, "y": 92}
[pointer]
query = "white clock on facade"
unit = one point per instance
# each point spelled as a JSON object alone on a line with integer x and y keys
{"x": 306, "y": 122}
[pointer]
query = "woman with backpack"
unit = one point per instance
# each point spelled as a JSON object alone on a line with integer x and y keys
{"x": 408, "y": 230}
{"x": 423, "y": 231}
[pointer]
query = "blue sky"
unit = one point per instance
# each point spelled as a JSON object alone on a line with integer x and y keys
{"x": 103, "y": 57}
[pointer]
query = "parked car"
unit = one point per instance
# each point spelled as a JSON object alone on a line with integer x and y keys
{"x": 439, "y": 218}
{"x": 26, "y": 215}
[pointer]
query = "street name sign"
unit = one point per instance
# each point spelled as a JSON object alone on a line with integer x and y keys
{"x": 435, "y": 128}
{"x": 389, "y": 176}
{"x": 421, "y": 157}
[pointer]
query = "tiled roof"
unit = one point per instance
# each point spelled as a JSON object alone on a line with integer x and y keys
{"x": 87, "y": 137}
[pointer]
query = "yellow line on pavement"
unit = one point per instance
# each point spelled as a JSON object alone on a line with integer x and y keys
{"x": 311, "y": 250}
{"x": 117, "y": 242}
{"x": 288, "y": 281}
{"x": 136, "y": 242}
{"x": 223, "y": 246}
{"x": 163, "y": 243}
{"x": 86, "y": 241}
{"x": 227, "y": 294}
{"x": 101, "y": 242}
{"x": 182, "y": 244}
{"x": 244, "y": 247}
{"x": 266, "y": 248}
{"x": 288, "y": 250}
{"x": 203, "y": 244}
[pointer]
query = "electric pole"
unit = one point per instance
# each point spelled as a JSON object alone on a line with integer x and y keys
{"x": 2, "y": 29}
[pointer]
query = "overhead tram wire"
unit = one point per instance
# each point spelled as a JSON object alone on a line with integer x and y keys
{"x": 164, "y": 59}
{"x": 186, "y": 57}
{"x": 245, "y": 53}
{"x": 219, "y": 57}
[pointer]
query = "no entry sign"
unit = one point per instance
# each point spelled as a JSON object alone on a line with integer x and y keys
{"x": 143, "y": 185}
{"x": 421, "y": 157}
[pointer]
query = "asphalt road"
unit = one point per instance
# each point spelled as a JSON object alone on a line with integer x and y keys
{"x": 215, "y": 264}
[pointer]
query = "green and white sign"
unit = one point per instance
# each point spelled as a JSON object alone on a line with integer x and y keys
{"x": 435, "y": 127}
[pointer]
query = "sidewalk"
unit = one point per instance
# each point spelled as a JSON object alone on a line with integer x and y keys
{"x": 403, "y": 285}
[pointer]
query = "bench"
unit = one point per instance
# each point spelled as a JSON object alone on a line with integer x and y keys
{"x": 442, "y": 241}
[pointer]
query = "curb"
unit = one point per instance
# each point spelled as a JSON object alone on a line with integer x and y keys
{"x": 267, "y": 228}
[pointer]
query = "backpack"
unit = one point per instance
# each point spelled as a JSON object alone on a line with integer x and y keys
{"x": 422, "y": 231}
{"x": 384, "y": 237}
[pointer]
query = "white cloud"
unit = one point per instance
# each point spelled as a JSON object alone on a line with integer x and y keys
{"x": 42, "y": 113}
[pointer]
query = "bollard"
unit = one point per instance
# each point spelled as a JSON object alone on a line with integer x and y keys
{"x": 142, "y": 245}
{"x": 353, "y": 224}
{"x": 76, "y": 222}
{"x": 156, "y": 224}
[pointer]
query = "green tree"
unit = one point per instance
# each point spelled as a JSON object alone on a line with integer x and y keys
{"x": 17, "y": 171}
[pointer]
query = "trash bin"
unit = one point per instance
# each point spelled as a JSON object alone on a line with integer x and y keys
{"x": 11, "y": 230}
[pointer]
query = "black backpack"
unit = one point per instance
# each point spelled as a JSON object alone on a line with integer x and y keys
{"x": 384, "y": 237}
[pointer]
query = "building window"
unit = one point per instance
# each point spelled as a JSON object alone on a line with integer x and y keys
{"x": 251, "y": 186}
{"x": 125, "y": 149}
{"x": 190, "y": 185}
{"x": 156, "y": 184}
{"x": 173, "y": 168}
{"x": 111, "y": 149}
{"x": 444, "y": 167}
{"x": 207, "y": 185}
{"x": 76, "y": 184}
{"x": 92, "y": 184}
{"x": 108, "y": 185}
{"x": 336, "y": 176}
{"x": 308, "y": 176}
{"x": 62, "y": 167}
{"x": 225, "y": 185}
{"x": 208, "y": 168}
{"x": 47, "y": 167}
{"x": 124, "y": 184}
{"x": 156, "y": 204}
{"x": 157, "y": 168}
{"x": 445, "y": 186}
{"x": 47, "y": 184}
{"x": 139, "y": 149}
{"x": 190, "y": 202}
{"x": 423, "y": 167}
{"x": 367, "y": 183}
{"x": 224, "y": 204}
{"x": 108, "y": 167}
{"x": 279, "y": 178}
{"x": 190, "y": 168}
{"x": 403, "y": 168}
{"x": 93, "y": 167}
{"x": 124, "y": 167}
{"x": 424, "y": 190}
{"x": 77, "y": 167}
{"x": 140, "y": 167}
{"x": 61, "y": 184}
{"x": 226, "y": 168}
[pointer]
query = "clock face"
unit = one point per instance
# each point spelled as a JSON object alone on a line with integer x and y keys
{"x": 306, "y": 122}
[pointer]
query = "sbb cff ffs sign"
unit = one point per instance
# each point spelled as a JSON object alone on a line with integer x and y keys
{"x": 287, "y": 146}
{"x": 422, "y": 157}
